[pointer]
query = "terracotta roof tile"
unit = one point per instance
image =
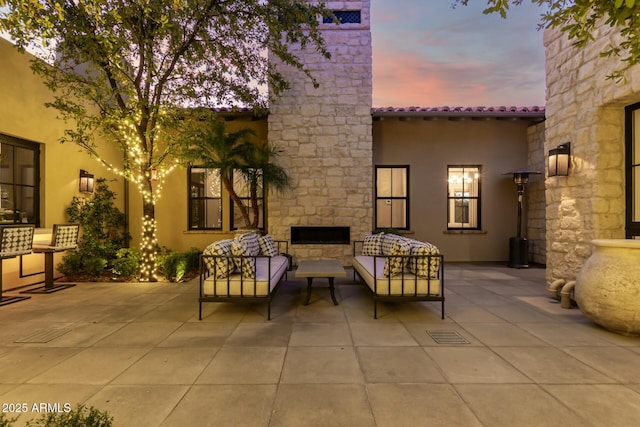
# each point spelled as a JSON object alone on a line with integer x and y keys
{"x": 497, "y": 111}
{"x": 535, "y": 112}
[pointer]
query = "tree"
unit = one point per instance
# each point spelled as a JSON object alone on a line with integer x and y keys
{"x": 235, "y": 154}
{"x": 122, "y": 71}
{"x": 579, "y": 19}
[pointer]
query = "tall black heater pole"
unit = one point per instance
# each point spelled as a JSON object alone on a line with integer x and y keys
{"x": 518, "y": 246}
{"x": 520, "y": 194}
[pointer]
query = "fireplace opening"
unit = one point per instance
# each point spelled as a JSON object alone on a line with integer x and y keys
{"x": 321, "y": 235}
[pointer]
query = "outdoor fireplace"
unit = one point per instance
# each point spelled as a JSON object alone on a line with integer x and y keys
{"x": 321, "y": 235}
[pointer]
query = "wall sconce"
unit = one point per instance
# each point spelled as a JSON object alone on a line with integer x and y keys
{"x": 86, "y": 182}
{"x": 559, "y": 160}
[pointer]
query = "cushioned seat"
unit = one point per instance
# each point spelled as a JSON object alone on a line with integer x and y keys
{"x": 63, "y": 238}
{"x": 397, "y": 268}
{"x": 16, "y": 240}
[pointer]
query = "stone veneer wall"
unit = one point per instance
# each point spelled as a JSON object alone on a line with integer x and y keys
{"x": 326, "y": 138}
{"x": 535, "y": 193}
{"x": 587, "y": 109}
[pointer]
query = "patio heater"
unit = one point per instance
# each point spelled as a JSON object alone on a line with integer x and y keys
{"x": 518, "y": 246}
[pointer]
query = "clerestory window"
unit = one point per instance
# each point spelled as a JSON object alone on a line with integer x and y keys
{"x": 344, "y": 17}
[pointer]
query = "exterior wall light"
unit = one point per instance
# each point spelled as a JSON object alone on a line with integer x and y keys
{"x": 85, "y": 182}
{"x": 559, "y": 160}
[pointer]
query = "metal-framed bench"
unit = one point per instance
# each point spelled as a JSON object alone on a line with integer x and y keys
{"x": 15, "y": 240}
{"x": 63, "y": 238}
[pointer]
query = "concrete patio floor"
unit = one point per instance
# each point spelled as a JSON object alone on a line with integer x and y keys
{"x": 140, "y": 352}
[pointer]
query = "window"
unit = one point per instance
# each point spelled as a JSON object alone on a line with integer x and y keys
{"x": 392, "y": 197}
{"x": 463, "y": 197}
{"x": 205, "y": 199}
{"x": 344, "y": 17}
{"x": 19, "y": 181}
{"x": 241, "y": 187}
{"x": 206, "y": 192}
{"x": 632, "y": 170}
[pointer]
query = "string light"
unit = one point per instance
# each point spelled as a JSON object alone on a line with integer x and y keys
{"x": 149, "y": 179}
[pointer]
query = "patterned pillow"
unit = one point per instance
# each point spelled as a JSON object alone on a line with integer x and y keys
{"x": 247, "y": 262}
{"x": 267, "y": 246}
{"x": 372, "y": 245}
{"x": 222, "y": 267}
{"x": 395, "y": 264}
{"x": 424, "y": 267}
{"x": 251, "y": 241}
{"x": 388, "y": 240}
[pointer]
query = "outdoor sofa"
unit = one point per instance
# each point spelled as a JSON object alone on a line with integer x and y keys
{"x": 396, "y": 268}
{"x": 245, "y": 269}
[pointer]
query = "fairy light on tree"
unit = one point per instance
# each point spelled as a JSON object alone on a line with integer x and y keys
{"x": 123, "y": 72}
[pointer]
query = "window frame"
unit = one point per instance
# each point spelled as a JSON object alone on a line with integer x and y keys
{"x": 191, "y": 198}
{"x": 632, "y": 192}
{"x": 468, "y": 198}
{"x": 15, "y": 184}
{"x": 406, "y": 198}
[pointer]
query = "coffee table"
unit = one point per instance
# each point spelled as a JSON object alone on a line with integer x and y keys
{"x": 329, "y": 268}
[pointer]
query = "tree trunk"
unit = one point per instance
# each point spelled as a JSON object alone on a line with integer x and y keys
{"x": 237, "y": 200}
{"x": 148, "y": 244}
{"x": 254, "y": 205}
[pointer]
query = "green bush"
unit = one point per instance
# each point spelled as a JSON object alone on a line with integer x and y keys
{"x": 78, "y": 265}
{"x": 81, "y": 416}
{"x": 127, "y": 262}
{"x": 176, "y": 265}
{"x": 6, "y": 422}
{"x": 102, "y": 234}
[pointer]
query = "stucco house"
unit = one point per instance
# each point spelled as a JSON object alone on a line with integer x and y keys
{"x": 438, "y": 173}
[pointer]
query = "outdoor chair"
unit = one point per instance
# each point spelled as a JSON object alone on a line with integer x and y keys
{"x": 64, "y": 237}
{"x": 16, "y": 240}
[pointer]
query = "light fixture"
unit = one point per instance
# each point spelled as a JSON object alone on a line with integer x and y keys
{"x": 86, "y": 182}
{"x": 559, "y": 160}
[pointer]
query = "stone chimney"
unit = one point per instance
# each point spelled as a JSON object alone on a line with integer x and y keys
{"x": 326, "y": 137}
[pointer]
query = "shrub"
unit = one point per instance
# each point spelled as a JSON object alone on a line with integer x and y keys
{"x": 176, "y": 265}
{"x": 6, "y": 422}
{"x": 127, "y": 262}
{"x": 102, "y": 234}
{"x": 78, "y": 265}
{"x": 81, "y": 416}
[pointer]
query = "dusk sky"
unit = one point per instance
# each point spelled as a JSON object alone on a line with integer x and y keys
{"x": 427, "y": 54}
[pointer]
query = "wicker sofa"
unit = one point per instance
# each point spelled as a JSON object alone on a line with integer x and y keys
{"x": 245, "y": 269}
{"x": 397, "y": 268}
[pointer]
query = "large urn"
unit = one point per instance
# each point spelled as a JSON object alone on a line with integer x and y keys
{"x": 608, "y": 286}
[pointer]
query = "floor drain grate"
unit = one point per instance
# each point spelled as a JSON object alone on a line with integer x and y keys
{"x": 43, "y": 336}
{"x": 448, "y": 337}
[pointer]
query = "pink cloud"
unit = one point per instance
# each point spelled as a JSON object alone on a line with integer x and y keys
{"x": 403, "y": 79}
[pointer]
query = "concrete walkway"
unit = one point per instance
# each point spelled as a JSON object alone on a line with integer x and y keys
{"x": 140, "y": 352}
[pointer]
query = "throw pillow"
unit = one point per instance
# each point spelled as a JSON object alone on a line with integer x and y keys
{"x": 424, "y": 266}
{"x": 372, "y": 244}
{"x": 267, "y": 245}
{"x": 388, "y": 240}
{"x": 244, "y": 261}
{"x": 251, "y": 241}
{"x": 395, "y": 264}
{"x": 221, "y": 267}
